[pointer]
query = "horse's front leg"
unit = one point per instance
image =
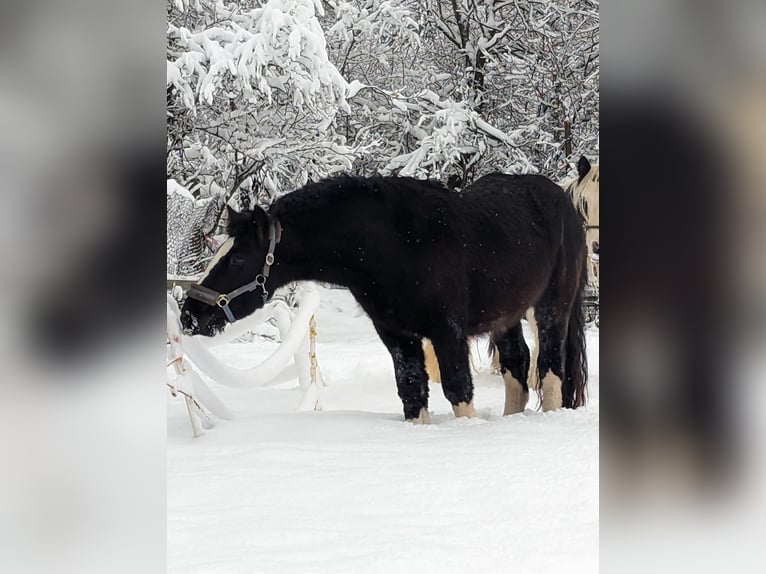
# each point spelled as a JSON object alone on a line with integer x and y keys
{"x": 410, "y": 372}
{"x": 452, "y": 352}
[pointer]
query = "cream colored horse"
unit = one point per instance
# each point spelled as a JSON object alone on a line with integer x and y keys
{"x": 585, "y": 195}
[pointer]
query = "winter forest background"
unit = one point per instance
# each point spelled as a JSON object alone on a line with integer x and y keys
{"x": 266, "y": 95}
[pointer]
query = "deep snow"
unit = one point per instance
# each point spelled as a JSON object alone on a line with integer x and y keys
{"x": 356, "y": 489}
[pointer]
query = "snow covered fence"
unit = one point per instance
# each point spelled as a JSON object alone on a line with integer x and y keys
{"x": 297, "y": 332}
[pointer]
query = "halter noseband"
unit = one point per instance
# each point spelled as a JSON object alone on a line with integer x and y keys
{"x": 222, "y": 300}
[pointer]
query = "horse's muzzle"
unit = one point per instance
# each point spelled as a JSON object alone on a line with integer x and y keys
{"x": 189, "y": 323}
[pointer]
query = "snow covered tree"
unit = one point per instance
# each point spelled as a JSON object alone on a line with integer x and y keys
{"x": 528, "y": 68}
{"x": 435, "y": 88}
{"x": 252, "y": 98}
{"x": 553, "y": 65}
{"x": 437, "y": 81}
{"x": 265, "y": 95}
{"x": 399, "y": 108}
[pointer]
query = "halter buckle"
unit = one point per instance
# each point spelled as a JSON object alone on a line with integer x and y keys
{"x": 269, "y": 259}
{"x": 222, "y": 300}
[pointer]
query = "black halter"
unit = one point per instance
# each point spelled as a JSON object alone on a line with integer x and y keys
{"x": 222, "y": 300}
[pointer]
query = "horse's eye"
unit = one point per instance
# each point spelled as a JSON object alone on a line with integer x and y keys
{"x": 237, "y": 260}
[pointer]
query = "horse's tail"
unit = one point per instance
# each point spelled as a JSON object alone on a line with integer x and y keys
{"x": 491, "y": 348}
{"x": 575, "y": 362}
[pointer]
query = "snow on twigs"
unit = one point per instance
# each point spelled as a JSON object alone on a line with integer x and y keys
{"x": 253, "y": 49}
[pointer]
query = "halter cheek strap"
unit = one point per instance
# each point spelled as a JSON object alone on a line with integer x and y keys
{"x": 222, "y": 300}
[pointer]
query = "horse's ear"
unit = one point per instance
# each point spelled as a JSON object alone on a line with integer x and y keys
{"x": 237, "y": 222}
{"x": 260, "y": 220}
{"x": 583, "y": 167}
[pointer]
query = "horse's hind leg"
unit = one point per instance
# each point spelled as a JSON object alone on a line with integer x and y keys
{"x": 452, "y": 351}
{"x": 533, "y": 382}
{"x": 494, "y": 355}
{"x": 514, "y": 365}
{"x": 410, "y": 372}
{"x": 432, "y": 363}
{"x": 551, "y": 332}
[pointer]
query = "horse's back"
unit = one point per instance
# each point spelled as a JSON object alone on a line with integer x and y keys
{"x": 519, "y": 226}
{"x": 401, "y": 236}
{"x": 518, "y": 195}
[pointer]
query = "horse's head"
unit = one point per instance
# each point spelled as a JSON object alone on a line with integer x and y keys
{"x": 235, "y": 282}
{"x": 585, "y": 191}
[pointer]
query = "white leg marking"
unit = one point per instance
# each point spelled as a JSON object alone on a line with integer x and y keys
{"x": 464, "y": 410}
{"x": 515, "y": 396}
{"x": 423, "y": 418}
{"x": 223, "y": 250}
{"x": 551, "y": 392}
{"x": 432, "y": 364}
{"x": 532, "y": 379}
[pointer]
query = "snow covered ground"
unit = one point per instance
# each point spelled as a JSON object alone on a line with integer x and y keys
{"x": 355, "y": 489}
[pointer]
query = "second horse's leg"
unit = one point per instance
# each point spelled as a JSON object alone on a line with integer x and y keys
{"x": 432, "y": 365}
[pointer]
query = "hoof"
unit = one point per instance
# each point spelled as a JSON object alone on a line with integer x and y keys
{"x": 423, "y": 418}
{"x": 515, "y": 396}
{"x": 552, "y": 398}
{"x": 464, "y": 410}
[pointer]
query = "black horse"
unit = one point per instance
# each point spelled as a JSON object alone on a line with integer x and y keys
{"x": 422, "y": 261}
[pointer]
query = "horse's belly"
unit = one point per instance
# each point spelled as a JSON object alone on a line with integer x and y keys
{"x": 498, "y": 309}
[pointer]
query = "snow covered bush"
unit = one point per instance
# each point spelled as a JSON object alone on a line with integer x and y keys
{"x": 189, "y": 221}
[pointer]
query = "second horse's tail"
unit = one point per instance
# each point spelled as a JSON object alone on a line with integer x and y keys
{"x": 575, "y": 361}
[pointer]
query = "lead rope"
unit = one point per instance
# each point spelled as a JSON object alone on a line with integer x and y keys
{"x": 313, "y": 354}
